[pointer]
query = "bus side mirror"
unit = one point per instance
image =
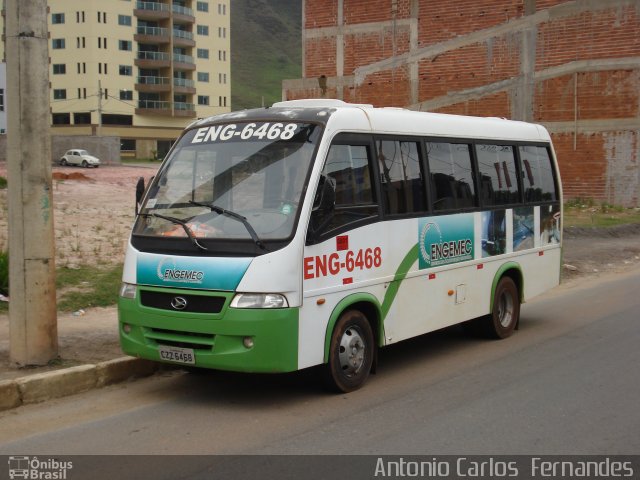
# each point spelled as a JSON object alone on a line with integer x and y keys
{"x": 139, "y": 192}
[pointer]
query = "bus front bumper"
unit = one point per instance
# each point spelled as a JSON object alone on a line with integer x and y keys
{"x": 245, "y": 340}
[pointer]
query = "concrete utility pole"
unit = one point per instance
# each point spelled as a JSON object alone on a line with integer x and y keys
{"x": 32, "y": 306}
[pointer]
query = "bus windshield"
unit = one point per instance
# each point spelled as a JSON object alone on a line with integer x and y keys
{"x": 231, "y": 182}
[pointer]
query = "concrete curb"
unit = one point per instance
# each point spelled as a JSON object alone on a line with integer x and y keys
{"x": 69, "y": 381}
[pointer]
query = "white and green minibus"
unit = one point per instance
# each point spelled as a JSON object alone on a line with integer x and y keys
{"x": 315, "y": 232}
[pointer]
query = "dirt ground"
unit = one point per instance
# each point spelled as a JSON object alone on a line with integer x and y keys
{"x": 93, "y": 213}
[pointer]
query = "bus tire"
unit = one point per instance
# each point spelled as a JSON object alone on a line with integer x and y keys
{"x": 506, "y": 310}
{"x": 351, "y": 352}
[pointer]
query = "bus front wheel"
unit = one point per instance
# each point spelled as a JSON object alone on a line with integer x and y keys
{"x": 506, "y": 309}
{"x": 351, "y": 352}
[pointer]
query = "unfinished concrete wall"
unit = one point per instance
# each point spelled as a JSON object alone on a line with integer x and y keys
{"x": 107, "y": 149}
{"x": 573, "y": 66}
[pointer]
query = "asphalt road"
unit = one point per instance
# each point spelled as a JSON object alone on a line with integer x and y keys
{"x": 566, "y": 383}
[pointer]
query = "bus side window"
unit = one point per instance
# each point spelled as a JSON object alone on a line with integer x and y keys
{"x": 348, "y": 173}
{"x": 400, "y": 176}
{"x": 451, "y": 176}
{"x": 499, "y": 181}
{"x": 537, "y": 174}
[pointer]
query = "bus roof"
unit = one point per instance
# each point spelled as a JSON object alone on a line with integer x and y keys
{"x": 342, "y": 116}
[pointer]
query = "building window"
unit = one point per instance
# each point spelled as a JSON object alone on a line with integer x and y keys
{"x": 124, "y": 20}
{"x": 126, "y": 70}
{"x": 203, "y": 53}
{"x": 124, "y": 45}
{"x": 222, "y": 55}
{"x": 202, "y": 6}
{"x": 102, "y": 17}
{"x": 82, "y": 118}
{"x": 81, "y": 42}
{"x": 222, "y": 32}
{"x": 79, "y": 17}
{"x": 57, "y": 43}
{"x": 126, "y": 95}
{"x": 222, "y": 101}
{"x": 82, "y": 67}
{"x": 100, "y": 68}
{"x": 102, "y": 42}
{"x": 202, "y": 29}
{"x": 57, "y": 18}
{"x": 59, "y": 68}
{"x": 61, "y": 118}
{"x": 59, "y": 93}
{"x": 1, "y": 99}
{"x": 203, "y": 76}
{"x": 203, "y": 99}
{"x": 222, "y": 9}
{"x": 222, "y": 78}
{"x": 127, "y": 144}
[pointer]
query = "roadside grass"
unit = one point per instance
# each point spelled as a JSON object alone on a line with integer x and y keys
{"x": 586, "y": 212}
{"x": 88, "y": 286}
{"x": 85, "y": 287}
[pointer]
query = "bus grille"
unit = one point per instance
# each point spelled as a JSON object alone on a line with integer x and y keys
{"x": 194, "y": 303}
{"x": 172, "y": 338}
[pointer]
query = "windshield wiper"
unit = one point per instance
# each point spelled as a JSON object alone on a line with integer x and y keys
{"x": 240, "y": 218}
{"x": 183, "y": 224}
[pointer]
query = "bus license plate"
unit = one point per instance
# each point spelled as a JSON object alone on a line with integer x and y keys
{"x": 177, "y": 354}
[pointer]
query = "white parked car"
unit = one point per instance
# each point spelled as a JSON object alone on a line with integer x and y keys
{"x": 79, "y": 157}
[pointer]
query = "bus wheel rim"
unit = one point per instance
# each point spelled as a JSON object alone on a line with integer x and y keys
{"x": 351, "y": 351}
{"x": 505, "y": 309}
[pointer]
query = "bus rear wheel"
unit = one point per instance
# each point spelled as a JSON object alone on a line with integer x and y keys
{"x": 506, "y": 310}
{"x": 351, "y": 352}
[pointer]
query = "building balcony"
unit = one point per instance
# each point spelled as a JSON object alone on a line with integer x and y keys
{"x": 183, "y": 62}
{"x": 183, "y": 109}
{"x": 153, "y": 84}
{"x": 182, "y": 38}
{"x": 153, "y": 11}
{"x": 153, "y": 107}
{"x": 153, "y": 35}
{"x": 184, "y": 85}
{"x": 182, "y": 14}
{"x": 152, "y": 59}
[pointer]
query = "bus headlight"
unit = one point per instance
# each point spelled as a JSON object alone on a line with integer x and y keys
{"x": 128, "y": 290}
{"x": 259, "y": 300}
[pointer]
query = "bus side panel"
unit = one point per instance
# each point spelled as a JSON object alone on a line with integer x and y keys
{"x": 361, "y": 260}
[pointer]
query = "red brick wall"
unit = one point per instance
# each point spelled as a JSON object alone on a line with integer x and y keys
{"x": 443, "y": 20}
{"x": 320, "y": 57}
{"x": 611, "y": 33}
{"x": 583, "y": 167}
{"x": 467, "y": 67}
{"x": 320, "y": 13}
{"x": 595, "y": 43}
{"x": 363, "y": 49}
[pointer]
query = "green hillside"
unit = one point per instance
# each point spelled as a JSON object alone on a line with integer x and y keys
{"x": 266, "y": 48}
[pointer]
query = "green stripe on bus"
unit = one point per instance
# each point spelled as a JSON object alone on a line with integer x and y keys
{"x": 410, "y": 258}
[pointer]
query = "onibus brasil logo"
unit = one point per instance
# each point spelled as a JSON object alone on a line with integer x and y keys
{"x": 38, "y": 469}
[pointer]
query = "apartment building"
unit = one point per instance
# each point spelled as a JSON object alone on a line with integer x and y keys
{"x": 138, "y": 70}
